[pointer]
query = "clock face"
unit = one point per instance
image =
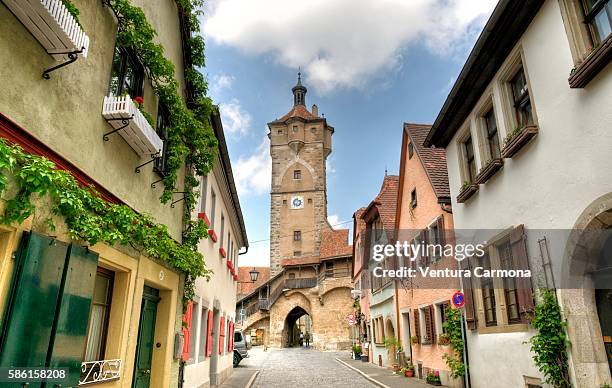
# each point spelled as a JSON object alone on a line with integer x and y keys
{"x": 297, "y": 202}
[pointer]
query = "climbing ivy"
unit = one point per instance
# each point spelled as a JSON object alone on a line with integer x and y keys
{"x": 452, "y": 325}
{"x": 25, "y": 177}
{"x": 550, "y": 344}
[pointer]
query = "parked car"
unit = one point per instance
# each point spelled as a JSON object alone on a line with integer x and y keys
{"x": 242, "y": 344}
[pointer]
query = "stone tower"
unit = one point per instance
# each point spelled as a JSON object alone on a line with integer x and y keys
{"x": 300, "y": 142}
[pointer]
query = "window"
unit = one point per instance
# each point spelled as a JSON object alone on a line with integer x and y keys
{"x": 510, "y": 291}
{"x": 284, "y": 201}
{"x": 222, "y": 230}
{"x": 163, "y": 123}
{"x": 203, "y": 191}
{"x": 237, "y": 337}
{"x": 488, "y": 293}
{"x": 470, "y": 161}
{"x": 443, "y": 317}
{"x": 297, "y": 235}
{"x": 98, "y": 317}
{"x": 297, "y": 253}
{"x": 598, "y": 16}
{"x": 297, "y": 174}
{"x": 410, "y": 150}
{"x": 295, "y": 129}
{"x": 434, "y": 238}
{"x": 203, "y": 328}
{"x": 491, "y": 133}
{"x": 280, "y": 131}
{"x": 413, "y": 198}
{"x": 417, "y": 325}
{"x": 522, "y": 102}
{"x": 127, "y": 74}
{"x": 213, "y": 204}
{"x": 309, "y": 200}
{"x": 193, "y": 336}
{"x": 428, "y": 319}
{"x": 291, "y": 275}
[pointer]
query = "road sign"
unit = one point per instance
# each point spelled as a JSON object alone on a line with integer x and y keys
{"x": 350, "y": 319}
{"x": 458, "y": 299}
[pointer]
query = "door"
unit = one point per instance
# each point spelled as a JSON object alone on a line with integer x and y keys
{"x": 146, "y": 334}
{"x": 603, "y": 299}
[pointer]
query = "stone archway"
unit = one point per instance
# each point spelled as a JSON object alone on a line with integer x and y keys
{"x": 291, "y": 330}
{"x": 589, "y": 360}
{"x": 390, "y": 335}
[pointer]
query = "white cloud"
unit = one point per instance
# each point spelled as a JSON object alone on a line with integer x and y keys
{"x": 257, "y": 256}
{"x": 222, "y": 81}
{"x": 345, "y": 43}
{"x": 253, "y": 173}
{"x": 235, "y": 120}
{"x": 334, "y": 220}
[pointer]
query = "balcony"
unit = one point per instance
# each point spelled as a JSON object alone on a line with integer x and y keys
{"x": 123, "y": 115}
{"x": 100, "y": 371}
{"x": 52, "y": 25}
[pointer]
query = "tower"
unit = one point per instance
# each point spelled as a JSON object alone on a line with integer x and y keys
{"x": 300, "y": 143}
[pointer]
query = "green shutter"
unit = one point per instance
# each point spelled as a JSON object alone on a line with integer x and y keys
{"x": 68, "y": 345}
{"x": 28, "y": 320}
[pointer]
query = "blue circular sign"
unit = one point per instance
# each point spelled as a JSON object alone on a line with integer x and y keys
{"x": 458, "y": 299}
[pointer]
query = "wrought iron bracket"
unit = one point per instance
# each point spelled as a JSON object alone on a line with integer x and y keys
{"x": 125, "y": 121}
{"x": 157, "y": 181}
{"x": 180, "y": 199}
{"x": 153, "y": 157}
{"x": 72, "y": 57}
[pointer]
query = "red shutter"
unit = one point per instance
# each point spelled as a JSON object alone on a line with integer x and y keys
{"x": 221, "y": 334}
{"x": 187, "y": 331}
{"x": 521, "y": 261}
{"x": 209, "y": 339}
{"x": 230, "y": 340}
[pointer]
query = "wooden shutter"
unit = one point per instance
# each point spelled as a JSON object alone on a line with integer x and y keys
{"x": 221, "y": 334}
{"x": 521, "y": 261}
{"x": 230, "y": 340}
{"x": 417, "y": 325}
{"x": 424, "y": 239}
{"x": 187, "y": 331}
{"x": 441, "y": 232}
{"x": 209, "y": 336}
{"x": 468, "y": 294}
{"x": 432, "y": 315}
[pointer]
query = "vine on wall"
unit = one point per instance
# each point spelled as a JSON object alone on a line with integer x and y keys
{"x": 550, "y": 344}
{"x": 25, "y": 178}
{"x": 452, "y": 325}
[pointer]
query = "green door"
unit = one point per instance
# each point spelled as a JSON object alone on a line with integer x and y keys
{"x": 146, "y": 334}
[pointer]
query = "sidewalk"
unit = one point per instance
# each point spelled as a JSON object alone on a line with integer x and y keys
{"x": 383, "y": 377}
{"x": 240, "y": 378}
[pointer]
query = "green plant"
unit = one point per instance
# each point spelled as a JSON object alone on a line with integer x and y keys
{"x": 414, "y": 339}
{"x": 465, "y": 185}
{"x": 357, "y": 350}
{"x": 550, "y": 344}
{"x": 26, "y": 178}
{"x": 511, "y": 135}
{"x": 433, "y": 377}
{"x": 392, "y": 342}
{"x": 444, "y": 339}
{"x": 72, "y": 10}
{"x": 452, "y": 325}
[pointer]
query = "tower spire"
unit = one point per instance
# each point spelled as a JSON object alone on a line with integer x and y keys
{"x": 299, "y": 91}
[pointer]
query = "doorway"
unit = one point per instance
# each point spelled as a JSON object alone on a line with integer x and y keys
{"x": 146, "y": 337}
{"x": 297, "y": 322}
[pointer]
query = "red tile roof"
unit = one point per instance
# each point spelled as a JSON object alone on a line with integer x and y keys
{"x": 244, "y": 276}
{"x": 298, "y": 111}
{"x": 386, "y": 202}
{"x": 433, "y": 159}
{"x": 334, "y": 243}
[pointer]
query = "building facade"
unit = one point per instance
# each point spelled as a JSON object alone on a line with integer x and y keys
{"x": 526, "y": 133}
{"x": 424, "y": 214}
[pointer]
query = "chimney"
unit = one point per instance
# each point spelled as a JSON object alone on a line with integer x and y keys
{"x": 315, "y": 110}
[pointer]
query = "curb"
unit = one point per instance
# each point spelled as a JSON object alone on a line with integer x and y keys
{"x": 367, "y": 377}
{"x": 252, "y": 380}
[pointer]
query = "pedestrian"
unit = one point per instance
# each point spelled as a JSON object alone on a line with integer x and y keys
{"x": 301, "y": 339}
{"x": 307, "y": 339}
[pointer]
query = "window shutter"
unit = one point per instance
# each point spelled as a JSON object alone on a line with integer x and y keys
{"x": 433, "y": 323}
{"x": 423, "y": 238}
{"x": 521, "y": 261}
{"x": 441, "y": 232}
{"x": 417, "y": 325}
{"x": 221, "y": 334}
{"x": 230, "y": 341}
{"x": 187, "y": 331}
{"x": 209, "y": 339}
{"x": 468, "y": 294}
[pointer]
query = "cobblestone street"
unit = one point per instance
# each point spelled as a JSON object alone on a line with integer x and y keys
{"x": 297, "y": 367}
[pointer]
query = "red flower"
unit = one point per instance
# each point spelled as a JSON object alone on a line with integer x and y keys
{"x": 139, "y": 100}
{"x": 437, "y": 373}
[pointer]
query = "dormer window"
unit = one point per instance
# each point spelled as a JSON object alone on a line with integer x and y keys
{"x": 410, "y": 150}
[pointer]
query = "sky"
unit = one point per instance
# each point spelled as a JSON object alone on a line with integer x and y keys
{"x": 369, "y": 65}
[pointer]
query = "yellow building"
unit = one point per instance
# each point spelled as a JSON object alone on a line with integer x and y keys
{"x": 95, "y": 105}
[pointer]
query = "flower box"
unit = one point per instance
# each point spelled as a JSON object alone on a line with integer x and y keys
{"x": 121, "y": 112}
{"x": 204, "y": 217}
{"x": 235, "y": 277}
{"x": 489, "y": 170}
{"x": 466, "y": 192}
{"x": 52, "y": 25}
{"x": 229, "y": 264}
{"x": 517, "y": 139}
{"x": 213, "y": 235}
{"x": 223, "y": 254}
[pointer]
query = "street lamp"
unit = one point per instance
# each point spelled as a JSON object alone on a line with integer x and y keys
{"x": 254, "y": 274}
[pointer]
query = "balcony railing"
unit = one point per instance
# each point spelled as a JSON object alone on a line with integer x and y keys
{"x": 300, "y": 283}
{"x": 123, "y": 115}
{"x": 334, "y": 273}
{"x": 52, "y": 25}
{"x": 100, "y": 371}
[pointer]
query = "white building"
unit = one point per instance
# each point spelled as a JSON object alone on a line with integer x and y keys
{"x": 534, "y": 97}
{"x": 208, "y": 347}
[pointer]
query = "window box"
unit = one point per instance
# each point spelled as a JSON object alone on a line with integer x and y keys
{"x": 223, "y": 253}
{"x": 489, "y": 170}
{"x": 467, "y": 190}
{"x": 213, "y": 235}
{"x": 516, "y": 139}
{"x": 52, "y": 25}
{"x": 235, "y": 277}
{"x": 229, "y": 264}
{"x": 204, "y": 217}
{"x": 592, "y": 65}
{"x": 121, "y": 113}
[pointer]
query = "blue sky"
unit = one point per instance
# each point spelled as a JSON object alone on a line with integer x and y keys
{"x": 397, "y": 67}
